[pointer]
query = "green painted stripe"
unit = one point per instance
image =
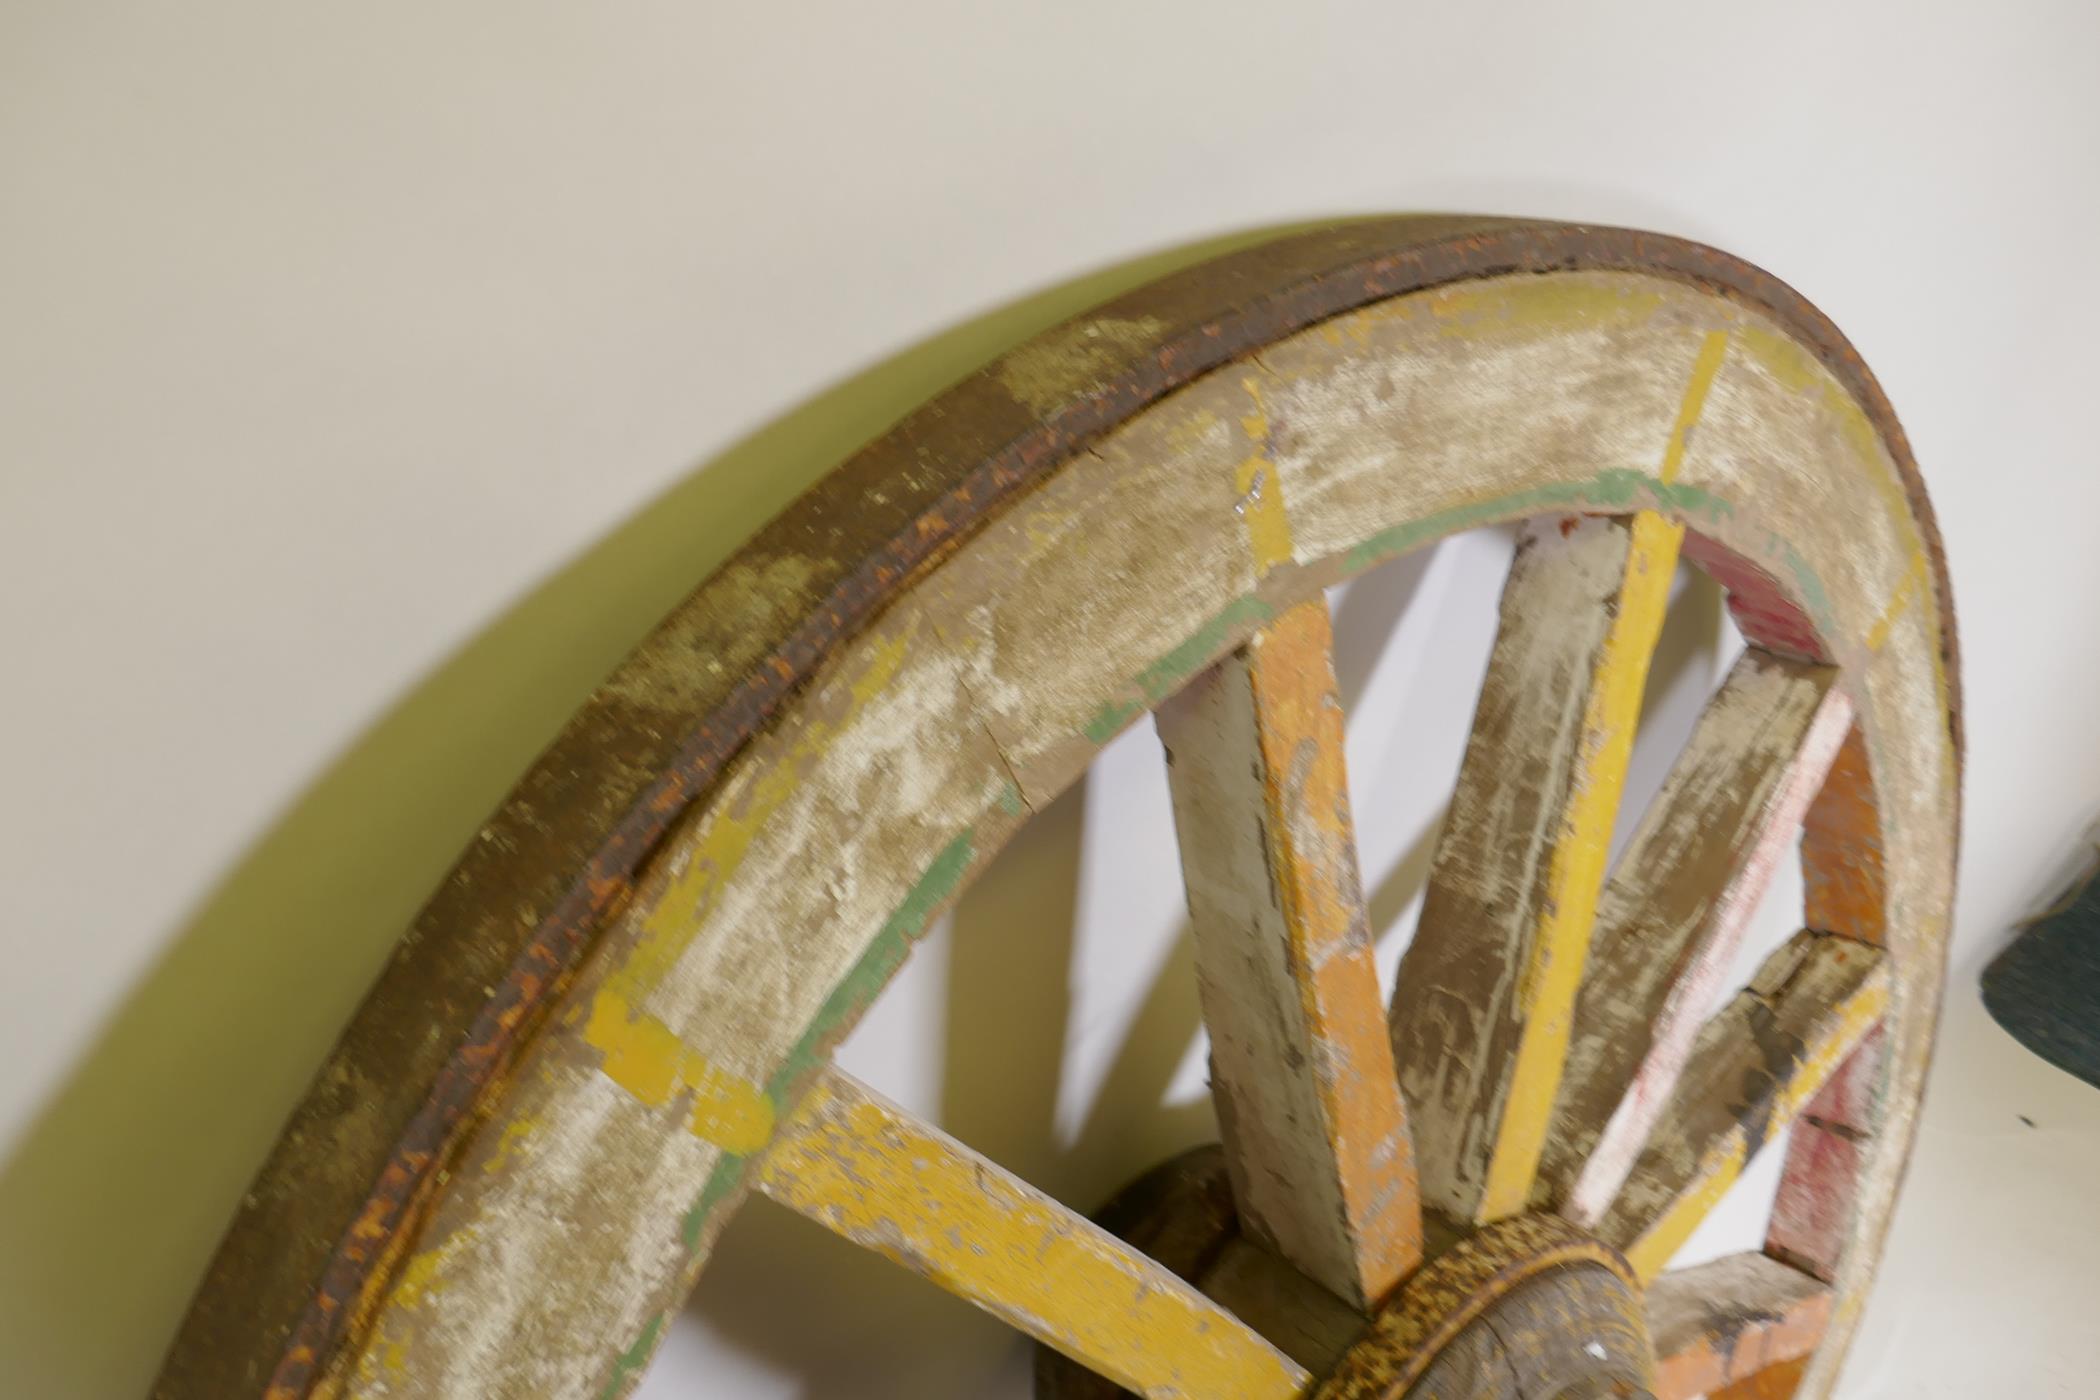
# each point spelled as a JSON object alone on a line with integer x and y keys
{"x": 1168, "y": 674}
{"x": 1108, "y": 721}
{"x": 1616, "y": 490}
{"x": 1173, "y": 669}
{"x": 886, "y": 953}
{"x": 630, "y": 1362}
{"x": 722, "y": 1183}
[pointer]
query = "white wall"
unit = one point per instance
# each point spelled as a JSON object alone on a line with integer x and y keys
{"x": 370, "y": 377}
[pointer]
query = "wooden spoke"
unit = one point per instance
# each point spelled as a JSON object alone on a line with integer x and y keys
{"x": 1781, "y": 1382}
{"x": 1673, "y": 913}
{"x": 1727, "y": 1321}
{"x": 1301, "y": 1066}
{"x": 864, "y": 1168}
{"x": 1480, "y": 1020}
{"x": 1750, "y": 1072}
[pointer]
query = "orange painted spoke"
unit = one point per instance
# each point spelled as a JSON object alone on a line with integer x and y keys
{"x": 1672, "y": 916}
{"x": 1750, "y": 1072}
{"x": 1482, "y": 1014}
{"x": 1301, "y": 1066}
{"x": 867, "y": 1170}
{"x": 1781, "y": 1382}
{"x": 1730, "y": 1320}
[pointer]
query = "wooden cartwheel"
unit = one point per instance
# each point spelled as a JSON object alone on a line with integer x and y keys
{"x": 613, "y": 1020}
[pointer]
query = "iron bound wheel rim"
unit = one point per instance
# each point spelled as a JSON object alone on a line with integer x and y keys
{"x": 253, "y": 1325}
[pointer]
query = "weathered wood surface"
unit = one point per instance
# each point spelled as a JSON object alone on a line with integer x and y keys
{"x": 628, "y": 1129}
{"x": 1481, "y": 1015}
{"x": 1571, "y": 1333}
{"x": 1672, "y": 916}
{"x": 1306, "y": 1322}
{"x": 1752, "y": 1069}
{"x": 543, "y": 1252}
{"x": 1555, "y": 1306}
{"x": 1726, "y": 1321}
{"x": 860, "y": 1166}
{"x": 1180, "y": 1215}
{"x": 1845, "y": 888}
{"x": 1812, "y": 1214}
{"x": 1844, "y": 872}
{"x": 1301, "y": 1067}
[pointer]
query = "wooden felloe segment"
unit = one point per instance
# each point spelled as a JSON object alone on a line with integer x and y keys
{"x": 862, "y": 1167}
{"x": 1728, "y": 1320}
{"x": 1301, "y": 1067}
{"x": 1480, "y": 1019}
{"x": 1753, "y": 1068}
{"x": 1673, "y": 913}
{"x": 1846, "y": 891}
{"x": 1763, "y": 613}
{"x": 1812, "y": 1214}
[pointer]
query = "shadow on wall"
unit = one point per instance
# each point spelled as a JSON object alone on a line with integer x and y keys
{"x": 112, "y": 1202}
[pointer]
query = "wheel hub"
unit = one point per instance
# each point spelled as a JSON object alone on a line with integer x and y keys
{"x": 1529, "y": 1307}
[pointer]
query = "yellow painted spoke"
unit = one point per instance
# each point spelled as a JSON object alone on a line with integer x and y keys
{"x": 1481, "y": 1018}
{"x": 1301, "y": 1066}
{"x": 862, "y": 1167}
{"x": 1672, "y": 916}
{"x": 1750, "y": 1072}
{"x": 1730, "y": 1320}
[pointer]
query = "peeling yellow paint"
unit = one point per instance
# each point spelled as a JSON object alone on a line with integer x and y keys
{"x": 1717, "y": 1174}
{"x": 1899, "y": 601}
{"x": 1575, "y": 876}
{"x": 647, "y": 1059}
{"x": 1260, "y": 487}
{"x": 420, "y": 1279}
{"x": 722, "y": 844}
{"x": 642, "y": 1054}
{"x": 1712, "y": 351}
{"x": 874, "y": 1174}
{"x": 1781, "y": 356}
{"x": 1724, "y": 1162}
{"x": 514, "y": 1134}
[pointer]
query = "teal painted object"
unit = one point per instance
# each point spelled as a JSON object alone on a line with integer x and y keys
{"x": 2045, "y": 988}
